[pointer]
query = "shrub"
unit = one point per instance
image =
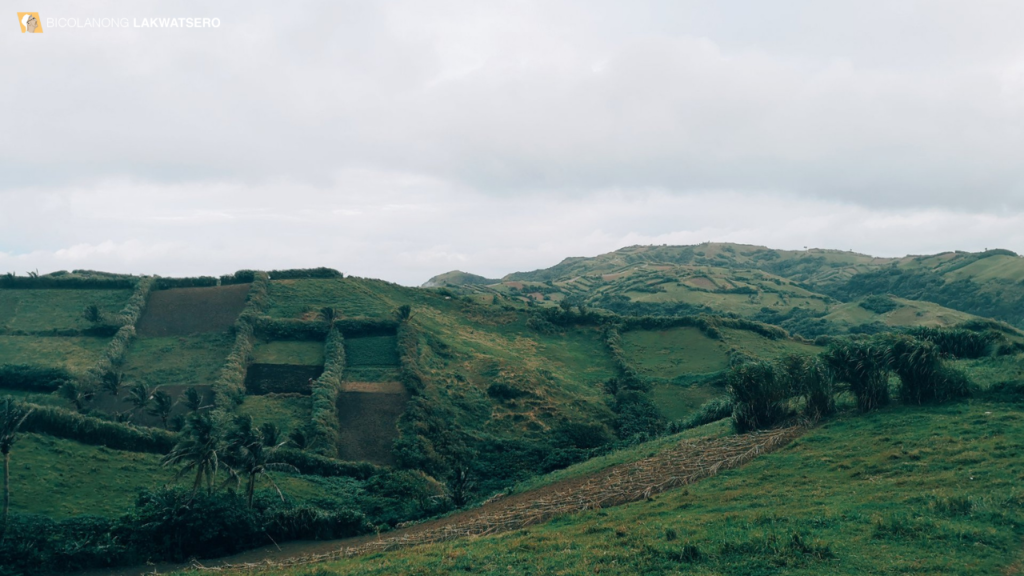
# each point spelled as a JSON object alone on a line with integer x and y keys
{"x": 878, "y": 304}
{"x": 637, "y": 418}
{"x": 958, "y": 342}
{"x": 813, "y": 380}
{"x": 711, "y": 411}
{"x": 582, "y": 436}
{"x": 33, "y": 378}
{"x": 862, "y": 366}
{"x": 923, "y": 376}
{"x": 759, "y": 391}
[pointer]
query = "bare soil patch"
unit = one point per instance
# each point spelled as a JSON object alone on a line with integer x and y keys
{"x": 184, "y": 311}
{"x": 280, "y": 378}
{"x": 701, "y": 282}
{"x": 369, "y": 424}
{"x": 105, "y": 402}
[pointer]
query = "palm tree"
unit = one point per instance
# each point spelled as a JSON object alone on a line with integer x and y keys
{"x": 198, "y": 450}
{"x": 162, "y": 405}
{"x": 77, "y": 395}
{"x": 112, "y": 382}
{"x": 11, "y": 417}
{"x": 139, "y": 395}
{"x": 249, "y": 453}
{"x": 192, "y": 398}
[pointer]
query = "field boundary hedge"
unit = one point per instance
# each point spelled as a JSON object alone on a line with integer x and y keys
{"x": 270, "y": 328}
{"x": 33, "y": 378}
{"x": 316, "y": 465}
{"x": 190, "y": 282}
{"x": 326, "y": 427}
{"x": 229, "y": 388}
{"x": 127, "y": 318}
{"x": 12, "y": 282}
{"x": 61, "y": 423}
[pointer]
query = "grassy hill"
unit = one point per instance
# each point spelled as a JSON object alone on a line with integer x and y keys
{"x": 381, "y": 404}
{"x": 769, "y": 285}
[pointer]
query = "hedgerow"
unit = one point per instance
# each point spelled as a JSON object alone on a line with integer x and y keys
{"x": 314, "y": 464}
{"x": 229, "y": 388}
{"x": 62, "y": 423}
{"x": 33, "y": 378}
{"x": 325, "y": 395}
{"x": 191, "y": 282}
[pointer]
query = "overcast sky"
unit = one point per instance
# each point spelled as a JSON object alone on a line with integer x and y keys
{"x": 399, "y": 139}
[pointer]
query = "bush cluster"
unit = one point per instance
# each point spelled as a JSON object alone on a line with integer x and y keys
{"x": 300, "y": 273}
{"x": 167, "y": 525}
{"x": 33, "y": 378}
{"x": 762, "y": 392}
{"x": 55, "y": 280}
{"x": 62, "y": 423}
{"x": 191, "y": 282}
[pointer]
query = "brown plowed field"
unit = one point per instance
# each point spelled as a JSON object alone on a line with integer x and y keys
{"x": 368, "y": 423}
{"x": 184, "y": 311}
{"x": 280, "y": 378}
{"x": 107, "y": 403}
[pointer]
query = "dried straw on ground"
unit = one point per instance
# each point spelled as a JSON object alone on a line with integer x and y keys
{"x": 686, "y": 463}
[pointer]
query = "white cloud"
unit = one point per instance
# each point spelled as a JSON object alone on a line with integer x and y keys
{"x": 391, "y": 139}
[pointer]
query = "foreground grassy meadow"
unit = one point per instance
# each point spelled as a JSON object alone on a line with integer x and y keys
{"x": 922, "y": 490}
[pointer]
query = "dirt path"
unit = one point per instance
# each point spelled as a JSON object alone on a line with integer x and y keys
{"x": 688, "y": 462}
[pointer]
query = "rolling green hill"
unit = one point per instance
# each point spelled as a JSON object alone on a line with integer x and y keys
{"x": 769, "y": 285}
{"x": 378, "y": 404}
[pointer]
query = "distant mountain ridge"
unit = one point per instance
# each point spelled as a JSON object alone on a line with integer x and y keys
{"x": 764, "y": 283}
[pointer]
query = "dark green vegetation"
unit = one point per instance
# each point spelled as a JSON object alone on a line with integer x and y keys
{"x": 306, "y": 404}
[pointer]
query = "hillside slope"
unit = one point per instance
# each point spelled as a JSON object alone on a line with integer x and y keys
{"x": 754, "y": 280}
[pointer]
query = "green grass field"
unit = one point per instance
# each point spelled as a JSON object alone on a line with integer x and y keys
{"x": 371, "y": 351}
{"x": 932, "y": 490}
{"x": 61, "y": 478}
{"x": 349, "y": 297}
{"x": 74, "y": 353}
{"x": 42, "y": 310}
{"x": 284, "y": 352}
{"x": 186, "y": 360}
{"x": 677, "y": 352}
{"x": 677, "y": 401}
{"x": 287, "y": 411}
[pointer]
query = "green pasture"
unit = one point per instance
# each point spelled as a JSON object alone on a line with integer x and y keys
{"x": 371, "y": 351}
{"x": 57, "y": 309}
{"x": 188, "y": 360}
{"x": 677, "y": 401}
{"x": 286, "y": 411}
{"x": 76, "y": 353}
{"x": 288, "y": 352}
{"x": 348, "y": 296}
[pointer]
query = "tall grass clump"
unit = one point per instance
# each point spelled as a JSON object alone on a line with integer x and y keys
{"x": 759, "y": 391}
{"x": 862, "y": 366}
{"x": 959, "y": 342}
{"x": 812, "y": 379}
{"x": 923, "y": 375}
